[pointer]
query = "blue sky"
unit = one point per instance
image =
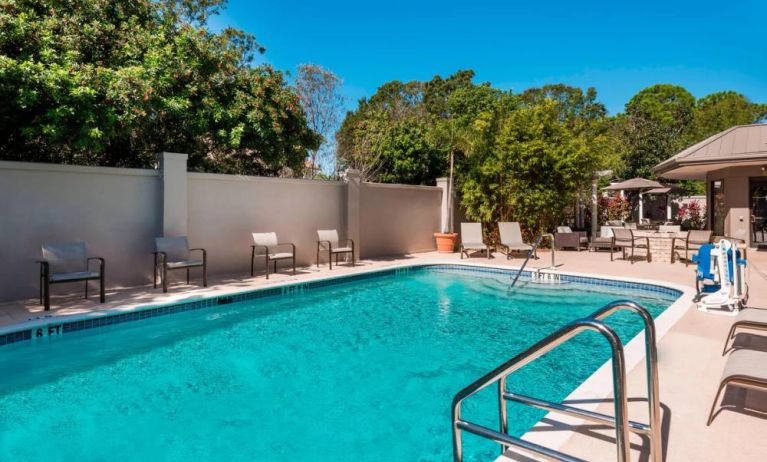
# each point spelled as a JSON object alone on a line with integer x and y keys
{"x": 617, "y": 47}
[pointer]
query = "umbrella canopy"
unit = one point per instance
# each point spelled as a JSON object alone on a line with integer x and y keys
{"x": 634, "y": 183}
{"x": 664, "y": 190}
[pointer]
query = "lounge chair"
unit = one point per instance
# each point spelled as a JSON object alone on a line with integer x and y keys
{"x": 471, "y": 239}
{"x": 173, "y": 253}
{"x": 750, "y": 318}
{"x": 744, "y": 369}
{"x": 511, "y": 238}
{"x": 693, "y": 241}
{"x": 327, "y": 240}
{"x": 624, "y": 239}
{"x": 67, "y": 262}
{"x": 268, "y": 243}
{"x": 566, "y": 238}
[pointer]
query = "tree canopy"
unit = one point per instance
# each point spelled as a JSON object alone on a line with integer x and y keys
{"x": 112, "y": 82}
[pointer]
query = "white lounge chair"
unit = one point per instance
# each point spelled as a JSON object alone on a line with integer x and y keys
{"x": 267, "y": 242}
{"x": 173, "y": 253}
{"x": 327, "y": 240}
{"x": 511, "y": 238}
{"x": 471, "y": 239}
{"x": 67, "y": 262}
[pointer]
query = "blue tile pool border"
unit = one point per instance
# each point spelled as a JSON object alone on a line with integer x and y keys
{"x": 106, "y": 319}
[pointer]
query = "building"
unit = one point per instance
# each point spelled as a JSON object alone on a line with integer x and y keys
{"x": 733, "y": 164}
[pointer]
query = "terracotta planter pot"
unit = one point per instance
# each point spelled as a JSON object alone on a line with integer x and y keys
{"x": 446, "y": 242}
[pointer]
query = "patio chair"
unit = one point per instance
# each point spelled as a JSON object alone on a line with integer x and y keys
{"x": 693, "y": 241}
{"x": 471, "y": 239}
{"x": 566, "y": 238}
{"x": 624, "y": 239}
{"x": 268, "y": 243}
{"x": 68, "y": 262}
{"x": 745, "y": 369}
{"x": 327, "y": 240}
{"x": 172, "y": 253}
{"x": 750, "y": 318}
{"x": 614, "y": 223}
{"x": 511, "y": 238}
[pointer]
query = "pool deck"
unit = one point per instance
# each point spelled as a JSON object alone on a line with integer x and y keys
{"x": 690, "y": 360}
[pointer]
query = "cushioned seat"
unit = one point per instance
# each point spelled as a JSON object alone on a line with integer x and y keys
{"x": 280, "y": 255}
{"x": 184, "y": 264}
{"x": 341, "y": 249}
{"x": 76, "y": 276}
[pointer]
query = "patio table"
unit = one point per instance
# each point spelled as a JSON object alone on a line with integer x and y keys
{"x": 661, "y": 244}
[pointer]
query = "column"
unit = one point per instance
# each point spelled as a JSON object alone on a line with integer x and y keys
{"x": 353, "y": 199}
{"x": 641, "y": 207}
{"x": 594, "y": 208}
{"x": 174, "y": 193}
{"x": 444, "y": 211}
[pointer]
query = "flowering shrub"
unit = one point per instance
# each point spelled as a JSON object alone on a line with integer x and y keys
{"x": 692, "y": 215}
{"x": 610, "y": 208}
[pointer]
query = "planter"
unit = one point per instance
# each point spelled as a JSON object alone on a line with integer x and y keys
{"x": 446, "y": 242}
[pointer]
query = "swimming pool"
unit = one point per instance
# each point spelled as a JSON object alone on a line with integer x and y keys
{"x": 361, "y": 370}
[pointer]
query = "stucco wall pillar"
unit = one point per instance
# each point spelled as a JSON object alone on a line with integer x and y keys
{"x": 444, "y": 221}
{"x": 174, "y": 203}
{"x": 353, "y": 201}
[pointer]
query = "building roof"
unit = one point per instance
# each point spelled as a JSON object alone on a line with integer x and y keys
{"x": 738, "y": 145}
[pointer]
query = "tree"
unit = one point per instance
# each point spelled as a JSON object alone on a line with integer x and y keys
{"x": 654, "y": 127}
{"x": 112, "y": 82}
{"x": 319, "y": 91}
{"x": 720, "y": 111}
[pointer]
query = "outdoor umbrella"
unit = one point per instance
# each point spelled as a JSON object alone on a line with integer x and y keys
{"x": 635, "y": 183}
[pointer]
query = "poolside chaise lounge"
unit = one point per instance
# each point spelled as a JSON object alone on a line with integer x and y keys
{"x": 744, "y": 369}
{"x": 471, "y": 239}
{"x": 567, "y": 238}
{"x": 173, "y": 253}
{"x": 624, "y": 238}
{"x": 694, "y": 239}
{"x": 68, "y": 262}
{"x": 269, "y": 244}
{"x": 511, "y": 238}
{"x": 327, "y": 240}
{"x": 749, "y": 318}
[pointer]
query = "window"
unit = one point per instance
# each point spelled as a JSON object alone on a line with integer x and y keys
{"x": 758, "y": 203}
{"x": 717, "y": 207}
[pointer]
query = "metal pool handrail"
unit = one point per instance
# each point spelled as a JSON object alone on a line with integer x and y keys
{"x": 620, "y": 422}
{"x": 531, "y": 252}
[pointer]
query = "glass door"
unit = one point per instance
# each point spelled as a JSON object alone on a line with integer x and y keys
{"x": 717, "y": 207}
{"x": 758, "y": 201}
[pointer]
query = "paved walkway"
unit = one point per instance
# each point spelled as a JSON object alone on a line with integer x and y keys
{"x": 690, "y": 361}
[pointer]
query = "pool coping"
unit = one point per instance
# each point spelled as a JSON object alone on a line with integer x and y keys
{"x": 597, "y": 386}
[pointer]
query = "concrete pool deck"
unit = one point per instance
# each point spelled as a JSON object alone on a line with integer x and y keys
{"x": 690, "y": 361}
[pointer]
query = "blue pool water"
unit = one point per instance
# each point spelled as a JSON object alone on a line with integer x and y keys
{"x": 363, "y": 371}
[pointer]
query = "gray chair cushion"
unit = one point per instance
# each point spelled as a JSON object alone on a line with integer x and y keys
{"x": 751, "y": 364}
{"x": 341, "y": 249}
{"x": 511, "y": 234}
{"x": 69, "y": 257}
{"x": 176, "y": 248}
{"x": 184, "y": 263}
{"x": 280, "y": 255}
{"x": 77, "y": 276}
{"x": 266, "y": 239}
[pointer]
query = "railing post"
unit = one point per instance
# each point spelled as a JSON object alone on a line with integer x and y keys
{"x": 503, "y": 415}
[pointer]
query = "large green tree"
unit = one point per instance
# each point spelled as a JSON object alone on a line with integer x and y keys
{"x": 112, "y": 82}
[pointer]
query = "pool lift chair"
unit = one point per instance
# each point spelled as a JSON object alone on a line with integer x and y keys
{"x": 720, "y": 278}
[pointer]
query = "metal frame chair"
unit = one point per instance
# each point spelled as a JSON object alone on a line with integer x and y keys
{"x": 267, "y": 241}
{"x": 701, "y": 237}
{"x": 329, "y": 237}
{"x": 471, "y": 239}
{"x": 173, "y": 253}
{"x": 72, "y": 260}
{"x": 624, "y": 238}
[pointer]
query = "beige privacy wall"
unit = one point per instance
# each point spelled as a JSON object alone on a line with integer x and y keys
{"x": 398, "y": 219}
{"x": 118, "y": 212}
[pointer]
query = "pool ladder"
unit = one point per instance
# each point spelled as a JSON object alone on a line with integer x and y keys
{"x": 620, "y": 421}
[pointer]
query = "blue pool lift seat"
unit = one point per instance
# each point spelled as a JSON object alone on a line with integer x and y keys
{"x": 706, "y": 282}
